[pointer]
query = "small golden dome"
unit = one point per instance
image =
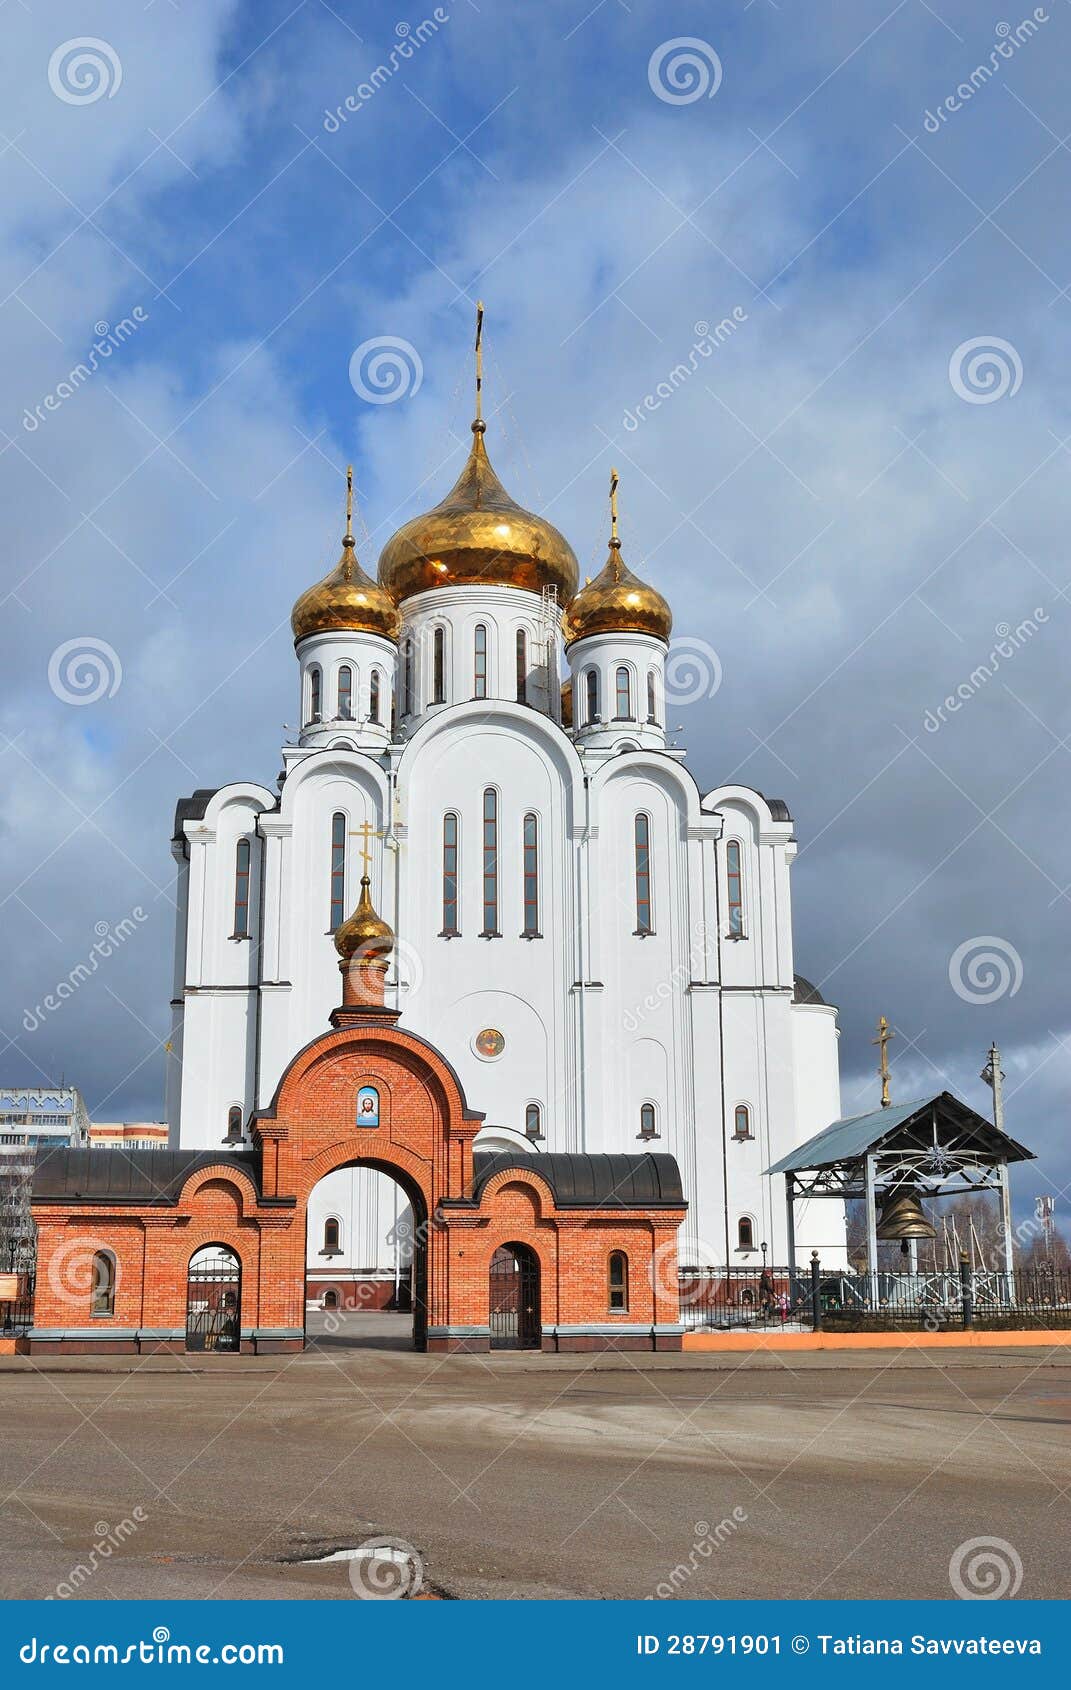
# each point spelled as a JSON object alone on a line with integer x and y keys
{"x": 364, "y": 931}
{"x": 478, "y": 535}
{"x": 616, "y": 602}
{"x": 347, "y": 598}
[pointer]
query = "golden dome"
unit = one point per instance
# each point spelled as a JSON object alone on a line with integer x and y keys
{"x": 347, "y": 598}
{"x": 478, "y": 535}
{"x": 616, "y": 602}
{"x": 364, "y": 931}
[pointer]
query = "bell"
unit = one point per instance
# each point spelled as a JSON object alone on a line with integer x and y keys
{"x": 902, "y": 1216}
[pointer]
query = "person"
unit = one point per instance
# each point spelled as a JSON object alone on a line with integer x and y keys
{"x": 766, "y": 1293}
{"x": 782, "y": 1306}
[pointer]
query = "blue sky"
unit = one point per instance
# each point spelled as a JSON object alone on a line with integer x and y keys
{"x": 822, "y": 506}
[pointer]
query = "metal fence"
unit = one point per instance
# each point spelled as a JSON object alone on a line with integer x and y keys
{"x": 803, "y": 1299}
{"x": 16, "y": 1315}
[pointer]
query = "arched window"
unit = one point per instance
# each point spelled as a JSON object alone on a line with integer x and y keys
{"x": 643, "y": 874}
{"x": 102, "y": 1295}
{"x": 533, "y": 1121}
{"x": 241, "y": 890}
{"x": 374, "y": 697}
{"x": 330, "y": 1300}
{"x": 332, "y": 1234}
{"x": 338, "y": 871}
{"x": 522, "y": 666}
{"x": 735, "y": 880}
{"x": 451, "y": 827}
{"x": 234, "y": 1123}
{"x": 745, "y": 1233}
{"x": 742, "y": 1121}
{"x": 479, "y": 661}
{"x": 618, "y": 1282}
{"x": 648, "y": 1126}
{"x": 622, "y": 694}
{"x": 407, "y": 678}
{"x": 591, "y": 682}
{"x": 531, "y": 877}
{"x": 315, "y": 684}
{"x": 438, "y": 665}
{"x": 490, "y": 864}
{"x": 652, "y": 696}
{"x": 345, "y": 693}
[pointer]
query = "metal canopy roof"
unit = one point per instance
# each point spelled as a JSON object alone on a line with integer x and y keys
{"x": 578, "y": 1181}
{"x": 962, "y": 1131}
{"x": 106, "y": 1175}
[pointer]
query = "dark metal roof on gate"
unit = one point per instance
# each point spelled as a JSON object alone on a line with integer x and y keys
{"x": 899, "y": 1125}
{"x": 128, "y": 1176}
{"x": 590, "y": 1182}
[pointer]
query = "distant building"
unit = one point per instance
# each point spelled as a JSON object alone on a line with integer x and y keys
{"x": 128, "y": 1135}
{"x": 31, "y": 1117}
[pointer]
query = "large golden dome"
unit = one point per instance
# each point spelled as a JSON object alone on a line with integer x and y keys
{"x": 479, "y": 536}
{"x": 616, "y": 602}
{"x": 347, "y": 598}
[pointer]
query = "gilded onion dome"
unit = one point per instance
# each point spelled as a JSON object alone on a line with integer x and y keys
{"x": 364, "y": 931}
{"x": 347, "y": 598}
{"x": 617, "y": 601}
{"x": 478, "y": 535}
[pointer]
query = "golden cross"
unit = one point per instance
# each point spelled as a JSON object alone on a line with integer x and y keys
{"x": 479, "y": 359}
{"x": 366, "y": 832}
{"x": 613, "y": 504}
{"x": 349, "y": 498}
{"x": 882, "y": 1040}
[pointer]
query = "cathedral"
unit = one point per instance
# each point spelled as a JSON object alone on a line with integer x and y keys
{"x": 598, "y": 945}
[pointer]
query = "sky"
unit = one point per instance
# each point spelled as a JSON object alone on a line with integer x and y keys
{"x": 854, "y": 493}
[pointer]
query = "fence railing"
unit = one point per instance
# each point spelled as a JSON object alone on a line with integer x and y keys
{"x": 16, "y": 1315}
{"x": 805, "y": 1298}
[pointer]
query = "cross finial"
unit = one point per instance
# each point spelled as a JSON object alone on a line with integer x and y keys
{"x": 365, "y": 832}
{"x": 613, "y": 505}
{"x": 349, "y": 499}
{"x": 479, "y": 360}
{"x": 882, "y": 1041}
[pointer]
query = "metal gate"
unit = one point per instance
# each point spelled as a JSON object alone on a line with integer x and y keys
{"x": 514, "y": 1306}
{"x": 214, "y": 1301}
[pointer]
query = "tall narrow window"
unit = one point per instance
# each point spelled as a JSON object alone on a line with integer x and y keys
{"x": 338, "y": 871}
{"x": 591, "y": 681}
{"x": 643, "y": 875}
{"x": 622, "y": 694}
{"x": 375, "y": 697}
{"x": 345, "y": 693}
{"x": 652, "y": 711}
{"x": 479, "y": 661}
{"x": 735, "y": 879}
{"x": 490, "y": 863}
{"x": 234, "y": 1123}
{"x": 450, "y": 845}
{"x": 745, "y": 1233}
{"x": 315, "y": 684}
{"x": 533, "y": 1121}
{"x": 331, "y": 1235}
{"x": 102, "y": 1295}
{"x": 522, "y": 666}
{"x": 742, "y": 1121}
{"x": 648, "y": 1129}
{"x": 438, "y": 679}
{"x": 531, "y": 877}
{"x": 407, "y": 678}
{"x": 618, "y": 1282}
{"x": 241, "y": 890}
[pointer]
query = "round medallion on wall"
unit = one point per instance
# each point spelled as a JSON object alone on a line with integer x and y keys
{"x": 489, "y": 1043}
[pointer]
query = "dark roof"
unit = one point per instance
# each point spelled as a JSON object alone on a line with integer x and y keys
{"x": 192, "y": 809}
{"x": 779, "y": 810}
{"x": 853, "y": 1138}
{"x": 805, "y": 991}
{"x": 128, "y": 1176}
{"x": 599, "y": 1182}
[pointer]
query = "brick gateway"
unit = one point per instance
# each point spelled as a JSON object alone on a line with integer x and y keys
{"x": 596, "y": 1235}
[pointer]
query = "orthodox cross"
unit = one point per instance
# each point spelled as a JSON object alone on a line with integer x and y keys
{"x": 479, "y": 359}
{"x": 349, "y": 499}
{"x": 613, "y": 504}
{"x": 365, "y": 832}
{"x": 882, "y": 1040}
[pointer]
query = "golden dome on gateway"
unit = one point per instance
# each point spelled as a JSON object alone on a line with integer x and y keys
{"x": 617, "y": 601}
{"x": 478, "y": 535}
{"x": 364, "y": 931}
{"x": 347, "y": 598}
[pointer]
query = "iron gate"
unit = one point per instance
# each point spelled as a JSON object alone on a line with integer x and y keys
{"x": 514, "y": 1306}
{"x": 214, "y": 1302}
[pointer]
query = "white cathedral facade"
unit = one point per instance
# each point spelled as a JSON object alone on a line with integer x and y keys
{"x": 601, "y": 947}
